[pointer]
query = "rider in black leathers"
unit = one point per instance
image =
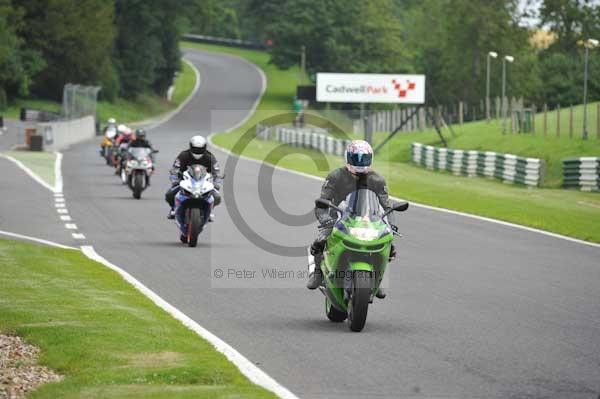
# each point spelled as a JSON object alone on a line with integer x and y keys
{"x": 338, "y": 184}
{"x": 197, "y": 154}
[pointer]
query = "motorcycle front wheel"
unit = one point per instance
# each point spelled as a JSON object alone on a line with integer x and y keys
{"x": 195, "y": 224}
{"x": 138, "y": 184}
{"x": 358, "y": 305}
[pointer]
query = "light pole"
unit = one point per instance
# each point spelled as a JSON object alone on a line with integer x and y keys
{"x": 508, "y": 58}
{"x": 491, "y": 54}
{"x": 588, "y": 44}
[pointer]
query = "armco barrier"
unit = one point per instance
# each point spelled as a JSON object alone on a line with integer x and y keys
{"x": 582, "y": 173}
{"x": 505, "y": 167}
{"x": 312, "y": 138}
{"x": 60, "y": 134}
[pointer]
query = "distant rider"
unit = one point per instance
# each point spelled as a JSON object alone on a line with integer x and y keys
{"x": 140, "y": 140}
{"x": 357, "y": 174}
{"x": 197, "y": 154}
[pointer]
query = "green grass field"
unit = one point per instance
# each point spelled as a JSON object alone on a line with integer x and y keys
{"x": 485, "y": 136}
{"x": 105, "y": 337}
{"x": 124, "y": 111}
{"x": 571, "y": 213}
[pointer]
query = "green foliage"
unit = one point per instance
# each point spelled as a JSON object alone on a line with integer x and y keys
{"x": 74, "y": 37}
{"x": 18, "y": 64}
{"x": 146, "y": 52}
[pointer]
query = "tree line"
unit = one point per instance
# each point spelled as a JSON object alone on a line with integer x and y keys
{"x": 129, "y": 47}
{"x": 448, "y": 40}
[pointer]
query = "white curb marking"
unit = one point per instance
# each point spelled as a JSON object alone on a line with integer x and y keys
{"x": 35, "y": 239}
{"x": 28, "y": 171}
{"x": 245, "y": 366}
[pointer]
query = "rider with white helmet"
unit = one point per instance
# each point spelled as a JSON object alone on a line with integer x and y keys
{"x": 197, "y": 154}
{"x": 355, "y": 175}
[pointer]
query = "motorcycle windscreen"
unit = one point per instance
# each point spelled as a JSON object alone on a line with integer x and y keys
{"x": 139, "y": 152}
{"x": 363, "y": 204}
{"x": 197, "y": 172}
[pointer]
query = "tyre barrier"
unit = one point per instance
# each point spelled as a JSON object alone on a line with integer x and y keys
{"x": 303, "y": 137}
{"x": 506, "y": 167}
{"x": 582, "y": 173}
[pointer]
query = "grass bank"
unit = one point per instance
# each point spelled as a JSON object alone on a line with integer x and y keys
{"x": 483, "y": 136}
{"x": 124, "y": 111}
{"x": 570, "y": 213}
{"x": 106, "y": 338}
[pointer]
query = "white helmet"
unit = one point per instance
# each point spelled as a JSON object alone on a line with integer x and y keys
{"x": 359, "y": 156}
{"x": 197, "y": 146}
{"x": 111, "y": 121}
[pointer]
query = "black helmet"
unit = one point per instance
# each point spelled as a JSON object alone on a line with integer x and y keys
{"x": 140, "y": 134}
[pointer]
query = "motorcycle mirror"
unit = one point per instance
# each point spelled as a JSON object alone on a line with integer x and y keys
{"x": 323, "y": 203}
{"x": 400, "y": 206}
{"x": 155, "y": 151}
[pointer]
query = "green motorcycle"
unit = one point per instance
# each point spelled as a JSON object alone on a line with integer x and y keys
{"x": 356, "y": 255}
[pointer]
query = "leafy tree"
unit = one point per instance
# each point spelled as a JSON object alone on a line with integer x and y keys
{"x": 146, "y": 51}
{"x": 18, "y": 64}
{"x": 75, "y": 38}
{"x": 451, "y": 39}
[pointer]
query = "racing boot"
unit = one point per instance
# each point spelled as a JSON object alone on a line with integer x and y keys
{"x": 315, "y": 278}
{"x": 171, "y": 214}
{"x": 380, "y": 293}
{"x": 211, "y": 217}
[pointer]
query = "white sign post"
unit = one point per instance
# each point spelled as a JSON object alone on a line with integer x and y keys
{"x": 370, "y": 88}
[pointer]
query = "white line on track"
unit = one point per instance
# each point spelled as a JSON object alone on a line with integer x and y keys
{"x": 70, "y": 226}
{"x": 78, "y": 236}
{"x": 62, "y": 210}
{"x": 60, "y": 205}
{"x": 28, "y": 171}
{"x": 65, "y": 218}
{"x": 247, "y": 368}
{"x": 59, "y": 200}
{"x": 35, "y": 239}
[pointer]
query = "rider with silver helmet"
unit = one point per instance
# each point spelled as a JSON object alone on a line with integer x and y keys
{"x": 355, "y": 175}
{"x": 197, "y": 154}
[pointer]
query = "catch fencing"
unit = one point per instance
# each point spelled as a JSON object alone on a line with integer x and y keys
{"x": 313, "y": 138}
{"x": 582, "y": 173}
{"x": 505, "y": 167}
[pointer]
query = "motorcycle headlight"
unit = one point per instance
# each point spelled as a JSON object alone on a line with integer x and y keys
{"x": 132, "y": 163}
{"x": 364, "y": 233}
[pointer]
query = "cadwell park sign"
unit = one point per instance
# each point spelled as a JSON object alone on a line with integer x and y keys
{"x": 370, "y": 88}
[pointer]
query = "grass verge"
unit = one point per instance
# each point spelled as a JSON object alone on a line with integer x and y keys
{"x": 40, "y": 163}
{"x": 571, "y": 213}
{"x": 124, "y": 111}
{"x": 108, "y": 339}
{"x": 483, "y": 136}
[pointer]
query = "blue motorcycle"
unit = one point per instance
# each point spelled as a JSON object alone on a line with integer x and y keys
{"x": 193, "y": 203}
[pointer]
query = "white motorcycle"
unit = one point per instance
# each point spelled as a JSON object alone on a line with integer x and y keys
{"x": 139, "y": 166}
{"x": 193, "y": 203}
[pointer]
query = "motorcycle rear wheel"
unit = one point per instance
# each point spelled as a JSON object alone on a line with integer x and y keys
{"x": 358, "y": 305}
{"x": 195, "y": 224}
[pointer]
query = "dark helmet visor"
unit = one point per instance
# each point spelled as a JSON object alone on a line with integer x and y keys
{"x": 359, "y": 159}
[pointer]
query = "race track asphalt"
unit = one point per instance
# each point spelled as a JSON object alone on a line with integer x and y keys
{"x": 474, "y": 309}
